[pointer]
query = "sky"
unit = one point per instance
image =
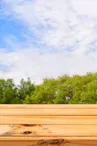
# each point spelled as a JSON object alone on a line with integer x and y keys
{"x": 47, "y": 38}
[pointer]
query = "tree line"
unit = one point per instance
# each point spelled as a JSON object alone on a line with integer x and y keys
{"x": 65, "y": 89}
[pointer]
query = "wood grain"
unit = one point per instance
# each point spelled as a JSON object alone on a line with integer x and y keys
{"x": 49, "y": 125}
{"x": 54, "y": 130}
{"x": 36, "y": 141}
{"x": 47, "y": 112}
{"x": 48, "y": 106}
{"x": 55, "y": 120}
{"x": 49, "y": 142}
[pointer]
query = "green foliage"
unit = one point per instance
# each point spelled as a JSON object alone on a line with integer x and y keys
{"x": 26, "y": 88}
{"x": 63, "y": 90}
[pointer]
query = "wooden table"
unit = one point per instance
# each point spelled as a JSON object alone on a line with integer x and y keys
{"x": 48, "y": 125}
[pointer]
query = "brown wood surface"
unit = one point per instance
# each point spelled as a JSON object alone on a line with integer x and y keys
{"x": 48, "y": 112}
{"x": 49, "y": 142}
{"x": 55, "y": 120}
{"x": 53, "y": 130}
{"x": 48, "y": 125}
{"x": 48, "y": 106}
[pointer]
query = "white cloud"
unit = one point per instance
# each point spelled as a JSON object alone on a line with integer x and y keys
{"x": 58, "y": 24}
{"x": 28, "y": 63}
{"x": 85, "y": 7}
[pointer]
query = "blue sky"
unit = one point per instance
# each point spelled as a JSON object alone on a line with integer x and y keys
{"x": 45, "y": 38}
{"x": 7, "y": 28}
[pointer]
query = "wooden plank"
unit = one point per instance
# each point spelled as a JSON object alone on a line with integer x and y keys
{"x": 48, "y": 106}
{"x": 53, "y": 106}
{"x": 74, "y": 120}
{"x": 48, "y": 125}
{"x": 28, "y": 138}
{"x": 48, "y": 141}
{"x": 33, "y": 143}
{"x": 51, "y": 142}
{"x": 46, "y": 112}
{"x": 52, "y": 130}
